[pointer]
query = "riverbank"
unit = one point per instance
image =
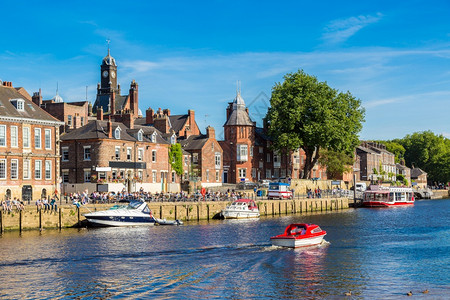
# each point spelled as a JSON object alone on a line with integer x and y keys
{"x": 440, "y": 194}
{"x": 70, "y": 216}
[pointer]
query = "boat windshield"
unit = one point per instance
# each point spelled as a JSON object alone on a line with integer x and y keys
{"x": 134, "y": 204}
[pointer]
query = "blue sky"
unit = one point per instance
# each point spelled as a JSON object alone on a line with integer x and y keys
{"x": 393, "y": 55}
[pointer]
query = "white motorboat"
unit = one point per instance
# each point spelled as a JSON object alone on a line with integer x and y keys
{"x": 241, "y": 209}
{"x": 133, "y": 214}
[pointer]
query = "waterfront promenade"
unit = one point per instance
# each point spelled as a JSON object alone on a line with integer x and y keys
{"x": 69, "y": 215}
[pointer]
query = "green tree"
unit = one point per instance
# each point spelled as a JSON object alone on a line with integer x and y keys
{"x": 176, "y": 158}
{"x": 336, "y": 163}
{"x": 429, "y": 152}
{"x": 309, "y": 114}
{"x": 396, "y": 148}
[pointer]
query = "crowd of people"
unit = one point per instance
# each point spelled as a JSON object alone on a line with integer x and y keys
{"x": 10, "y": 205}
{"x": 82, "y": 198}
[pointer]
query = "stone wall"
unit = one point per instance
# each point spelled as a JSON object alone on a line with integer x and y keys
{"x": 70, "y": 216}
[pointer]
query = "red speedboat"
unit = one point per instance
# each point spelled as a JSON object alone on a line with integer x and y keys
{"x": 299, "y": 235}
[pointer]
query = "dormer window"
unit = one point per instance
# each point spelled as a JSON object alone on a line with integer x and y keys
{"x": 19, "y": 104}
{"x": 154, "y": 137}
{"x": 139, "y": 136}
{"x": 173, "y": 139}
{"x": 117, "y": 133}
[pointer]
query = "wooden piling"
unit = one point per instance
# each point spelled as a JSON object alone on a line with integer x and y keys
{"x": 60, "y": 219}
{"x": 79, "y": 216}
{"x": 20, "y": 221}
{"x": 40, "y": 219}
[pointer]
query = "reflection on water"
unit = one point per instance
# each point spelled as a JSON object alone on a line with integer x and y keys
{"x": 373, "y": 253}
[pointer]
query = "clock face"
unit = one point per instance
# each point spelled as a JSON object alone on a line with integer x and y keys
{"x": 113, "y": 74}
{"x": 105, "y": 74}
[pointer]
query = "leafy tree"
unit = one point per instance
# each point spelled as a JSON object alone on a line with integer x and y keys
{"x": 396, "y": 148}
{"x": 336, "y": 163}
{"x": 429, "y": 152}
{"x": 309, "y": 114}
{"x": 176, "y": 158}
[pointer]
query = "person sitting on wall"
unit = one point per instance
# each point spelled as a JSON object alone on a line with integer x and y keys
{"x": 53, "y": 204}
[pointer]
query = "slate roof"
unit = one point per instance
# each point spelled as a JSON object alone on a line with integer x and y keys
{"x": 103, "y": 101}
{"x": 98, "y": 130}
{"x": 416, "y": 172}
{"x": 30, "y": 111}
{"x": 140, "y": 121}
{"x": 401, "y": 167}
{"x": 149, "y": 130}
{"x": 178, "y": 121}
{"x": 238, "y": 115}
{"x": 367, "y": 150}
{"x": 194, "y": 142}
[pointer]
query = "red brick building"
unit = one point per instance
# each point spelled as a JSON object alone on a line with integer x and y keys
{"x": 109, "y": 156}
{"x": 203, "y": 151}
{"x": 206, "y": 156}
{"x": 29, "y": 155}
{"x": 73, "y": 114}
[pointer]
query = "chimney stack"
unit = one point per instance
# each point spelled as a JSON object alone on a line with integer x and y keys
{"x": 210, "y": 132}
{"x": 128, "y": 120}
{"x": 149, "y": 116}
{"x": 37, "y": 98}
{"x": 112, "y": 103}
{"x": 99, "y": 113}
{"x": 109, "y": 128}
{"x": 134, "y": 103}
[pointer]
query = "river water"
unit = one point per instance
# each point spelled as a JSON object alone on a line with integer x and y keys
{"x": 374, "y": 253}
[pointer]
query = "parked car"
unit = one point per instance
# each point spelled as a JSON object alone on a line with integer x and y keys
{"x": 247, "y": 185}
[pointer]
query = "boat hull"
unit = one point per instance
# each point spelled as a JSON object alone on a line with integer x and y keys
{"x": 118, "y": 221}
{"x": 386, "y": 204}
{"x": 292, "y": 242}
{"x": 230, "y": 214}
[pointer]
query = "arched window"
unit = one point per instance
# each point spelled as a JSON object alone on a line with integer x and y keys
{"x": 154, "y": 137}
{"x": 117, "y": 133}
{"x": 140, "y": 136}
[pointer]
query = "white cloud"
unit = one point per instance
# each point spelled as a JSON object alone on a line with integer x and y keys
{"x": 338, "y": 31}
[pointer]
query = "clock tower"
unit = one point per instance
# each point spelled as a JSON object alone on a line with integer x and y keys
{"x": 108, "y": 75}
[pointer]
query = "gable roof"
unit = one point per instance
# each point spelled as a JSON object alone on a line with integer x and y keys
{"x": 30, "y": 110}
{"x": 416, "y": 172}
{"x": 194, "y": 142}
{"x": 97, "y": 130}
{"x": 178, "y": 121}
